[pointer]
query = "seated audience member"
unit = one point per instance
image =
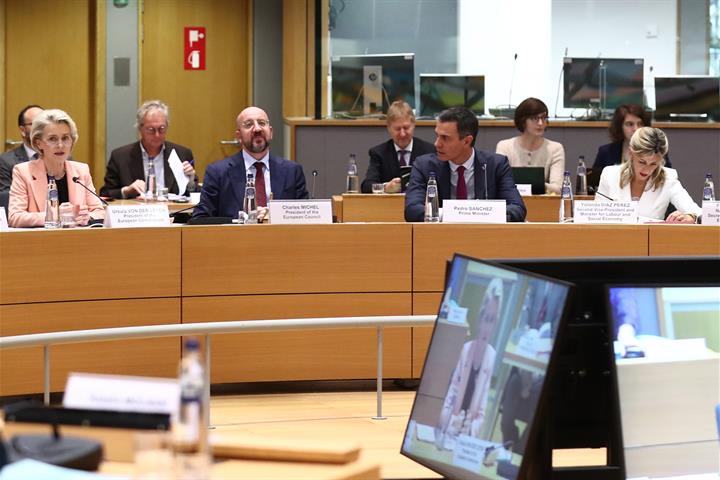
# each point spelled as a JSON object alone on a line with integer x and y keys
{"x": 21, "y": 154}
{"x": 531, "y": 148}
{"x": 223, "y": 189}
{"x": 52, "y": 136}
{"x": 126, "y": 169}
{"x": 644, "y": 178}
{"x": 462, "y": 171}
{"x": 521, "y": 394}
{"x": 401, "y": 150}
{"x": 626, "y": 119}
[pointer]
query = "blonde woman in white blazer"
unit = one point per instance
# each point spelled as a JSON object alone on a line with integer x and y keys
{"x": 645, "y": 179}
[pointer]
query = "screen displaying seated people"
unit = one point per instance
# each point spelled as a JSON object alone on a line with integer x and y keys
{"x": 485, "y": 370}
{"x": 666, "y": 342}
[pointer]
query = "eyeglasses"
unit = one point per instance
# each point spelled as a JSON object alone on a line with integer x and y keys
{"x": 250, "y": 124}
{"x": 54, "y": 140}
{"x": 538, "y": 118}
{"x": 155, "y": 131}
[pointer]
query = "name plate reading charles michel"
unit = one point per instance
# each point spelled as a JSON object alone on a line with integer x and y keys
{"x": 303, "y": 212}
{"x": 130, "y": 216}
{"x": 590, "y": 211}
{"x": 474, "y": 211}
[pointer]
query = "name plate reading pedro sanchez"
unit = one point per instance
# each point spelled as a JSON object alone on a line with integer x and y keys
{"x": 590, "y": 211}
{"x": 474, "y": 211}
{"x": 130, "y": 216}
{"x": 287, "y": 212}
{"x": 711, "y": 212}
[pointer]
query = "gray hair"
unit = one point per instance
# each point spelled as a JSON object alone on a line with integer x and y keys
{"x": 45, "y": 118}
{"x": 494, "y": 290}
{"x": 149, "y": 106}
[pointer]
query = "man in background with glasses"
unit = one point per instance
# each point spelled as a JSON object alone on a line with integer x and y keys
{"x": 125, "y": 174}
{"x": 23, "y": 153}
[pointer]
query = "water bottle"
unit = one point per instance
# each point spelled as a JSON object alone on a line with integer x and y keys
{"x": 150, "y": 181}
{"x": 52, "y": 205}
{"x": 709, "y": 188}
{"x": 566, "y": 200}
{"x": 432, "y": 203}
{"x": 250, "y": 202}
{"x": 353, "y": 183}
{"x": 189, "y": 431}
{"x": 581, "y": 179}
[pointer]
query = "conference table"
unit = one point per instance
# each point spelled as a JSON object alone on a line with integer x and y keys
{"x": 60, "y": 280}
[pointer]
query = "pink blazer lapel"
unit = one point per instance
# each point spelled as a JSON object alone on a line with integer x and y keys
{"x": 39, "y": 182}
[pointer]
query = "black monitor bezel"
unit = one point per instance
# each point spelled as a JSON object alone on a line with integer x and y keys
{"x": 435, "y": 76}
{"x": 664, "y": 114}
{"x": 567, "y": 103}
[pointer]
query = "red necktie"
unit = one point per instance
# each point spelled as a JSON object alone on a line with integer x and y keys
{"x": 461, "y": 191}
{"x": 402, "y": 161}
{"x": 260, "y": 195}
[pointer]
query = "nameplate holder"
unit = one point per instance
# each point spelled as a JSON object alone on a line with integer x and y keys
{"x": 133, "y": 216}
{"x": 590, "y": 211}
{"x": 711, "y": 212}
{"x": 300, "y": 212}
{"x": 3, "y": 220}
{"x": 122, "y": 393}
{"x": 525, "y": 189}
{"x": 474, "y": 211}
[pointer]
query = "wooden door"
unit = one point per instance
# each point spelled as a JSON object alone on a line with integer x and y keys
{"x": 203, "y": 104}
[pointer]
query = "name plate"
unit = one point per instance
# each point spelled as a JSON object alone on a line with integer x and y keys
{"x": 711, "y": 212}
{"x": 474, "y": 211}
{"x": 525, "y": 189}
{"x": 304, "y": 212}
{"x": 3, "y": 220}
{"x": 590, "y": 211}
{"x": 130, "y": 216}
{"x": 122, "y": 393}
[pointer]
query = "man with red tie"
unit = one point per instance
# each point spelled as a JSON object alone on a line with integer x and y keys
{"x": 223, "y": 189}
{"x": 388, "y": 158}
{"x": 462, "y": 171}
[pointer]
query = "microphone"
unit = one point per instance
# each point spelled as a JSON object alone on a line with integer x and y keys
{"x": 598, "y": 192}
{"x": 512, "y": 81}
{"x": 484, "y": 167}
{"x": 182, "y": 210}
{"x": 560, "y": 77}
{"x": 314, "y": 174}
{"x": 77, "y": 180}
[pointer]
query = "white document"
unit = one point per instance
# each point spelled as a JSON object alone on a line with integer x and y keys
{"x": 474, "y": 211}
{"x": 3, "y": 220}
{"x": 304, "y": 212}
{"x": 525, "y": 189}
{"x": 426, "y": 433}
{"x": 140, "y": 215}
{"x": 590, "y": 211}
{"x": 122, "y": 393}
{"x": 177, "y": 169}
{"x": 711, "y": 212}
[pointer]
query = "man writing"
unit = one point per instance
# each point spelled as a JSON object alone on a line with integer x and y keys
{"x": 401, "y": 150}
{"x": 126, "y": 169}
{"x": 223, "y": 188}
{"x": 462, "y": 171}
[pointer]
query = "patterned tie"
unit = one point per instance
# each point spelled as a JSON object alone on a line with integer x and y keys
{"x": 402, "y": 154}
{"x": 260, "y": 195}
{"x": 461, "y": 191}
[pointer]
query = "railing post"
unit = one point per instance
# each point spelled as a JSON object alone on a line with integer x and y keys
{"x": 46, "y": 375}
{"x": 206, "y": 393}
{"x": 379, "y": 415}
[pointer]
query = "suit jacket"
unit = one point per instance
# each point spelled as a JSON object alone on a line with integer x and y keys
{"x": 223, "y": 189}
{"x": 611, "y": 154}
{"x": 126, "y": 165}
{"x": 384, "y": 165}
{"x": 7, "y": 161}
{"x": 28, "y": 193}
{"x": 653, "y": 203}
{"x": 500, "y": 184}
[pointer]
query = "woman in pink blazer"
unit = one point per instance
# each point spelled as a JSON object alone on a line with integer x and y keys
{"x": 53, "y": 136}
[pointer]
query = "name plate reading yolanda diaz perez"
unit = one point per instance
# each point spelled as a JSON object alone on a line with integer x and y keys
{"x": 711, "y": 212}
{"x": 122, "y": 393}
{"x": 129, "y": 216}
{"x": 474, "y": 211}
{"x": 525, "y": 189}
{"x": 590, "y": 211}
{"x": 287, "y": 212}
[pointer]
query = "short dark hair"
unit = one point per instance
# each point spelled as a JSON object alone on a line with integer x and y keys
{"x": 21, "y": 116}
{"x": 616, "y": 124}
{"x": 528, "y": 108}
{"x": 464, "y": 118}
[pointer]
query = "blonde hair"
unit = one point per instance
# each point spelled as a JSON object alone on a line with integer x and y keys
{"x": 149, "y": 106}
{"x": 45, "y": 118}
{"x": 646, "y": 141}
{"x": 399, "y": 109}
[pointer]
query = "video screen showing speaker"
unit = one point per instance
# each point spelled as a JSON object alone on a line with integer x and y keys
{"x": 483, "y": 382}
{"x": 604, "y": 83}
{"x": 666, "y": 344}
{"x": 440, "y": 91}
{"x": 687, "y": 97}
{"x": 366, "y": 85}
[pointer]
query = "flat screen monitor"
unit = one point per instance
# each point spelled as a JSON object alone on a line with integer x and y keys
{"x": 368, "y": 84}
{"x": 583, "y": 80}
{"x": 484, "y": 375}
{"x": 534, "y": 176}
{"x": 441, "y": 91}
{"x": 687, "y": 97}
{"x": 666, "y": 344}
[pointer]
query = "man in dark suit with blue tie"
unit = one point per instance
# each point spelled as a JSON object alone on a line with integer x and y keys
{"x": 462, "y": 171}
{"x": 401, "y": 150}
{"x": 223, "y": 189}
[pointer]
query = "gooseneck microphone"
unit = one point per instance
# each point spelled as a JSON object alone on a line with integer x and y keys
{"x": 484, "y": 167}
{"x": 77, "y": 180}
{"x": 597, "y": 192}
{"x": 314, "y": 174}
{"x": 512, "y": 81}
